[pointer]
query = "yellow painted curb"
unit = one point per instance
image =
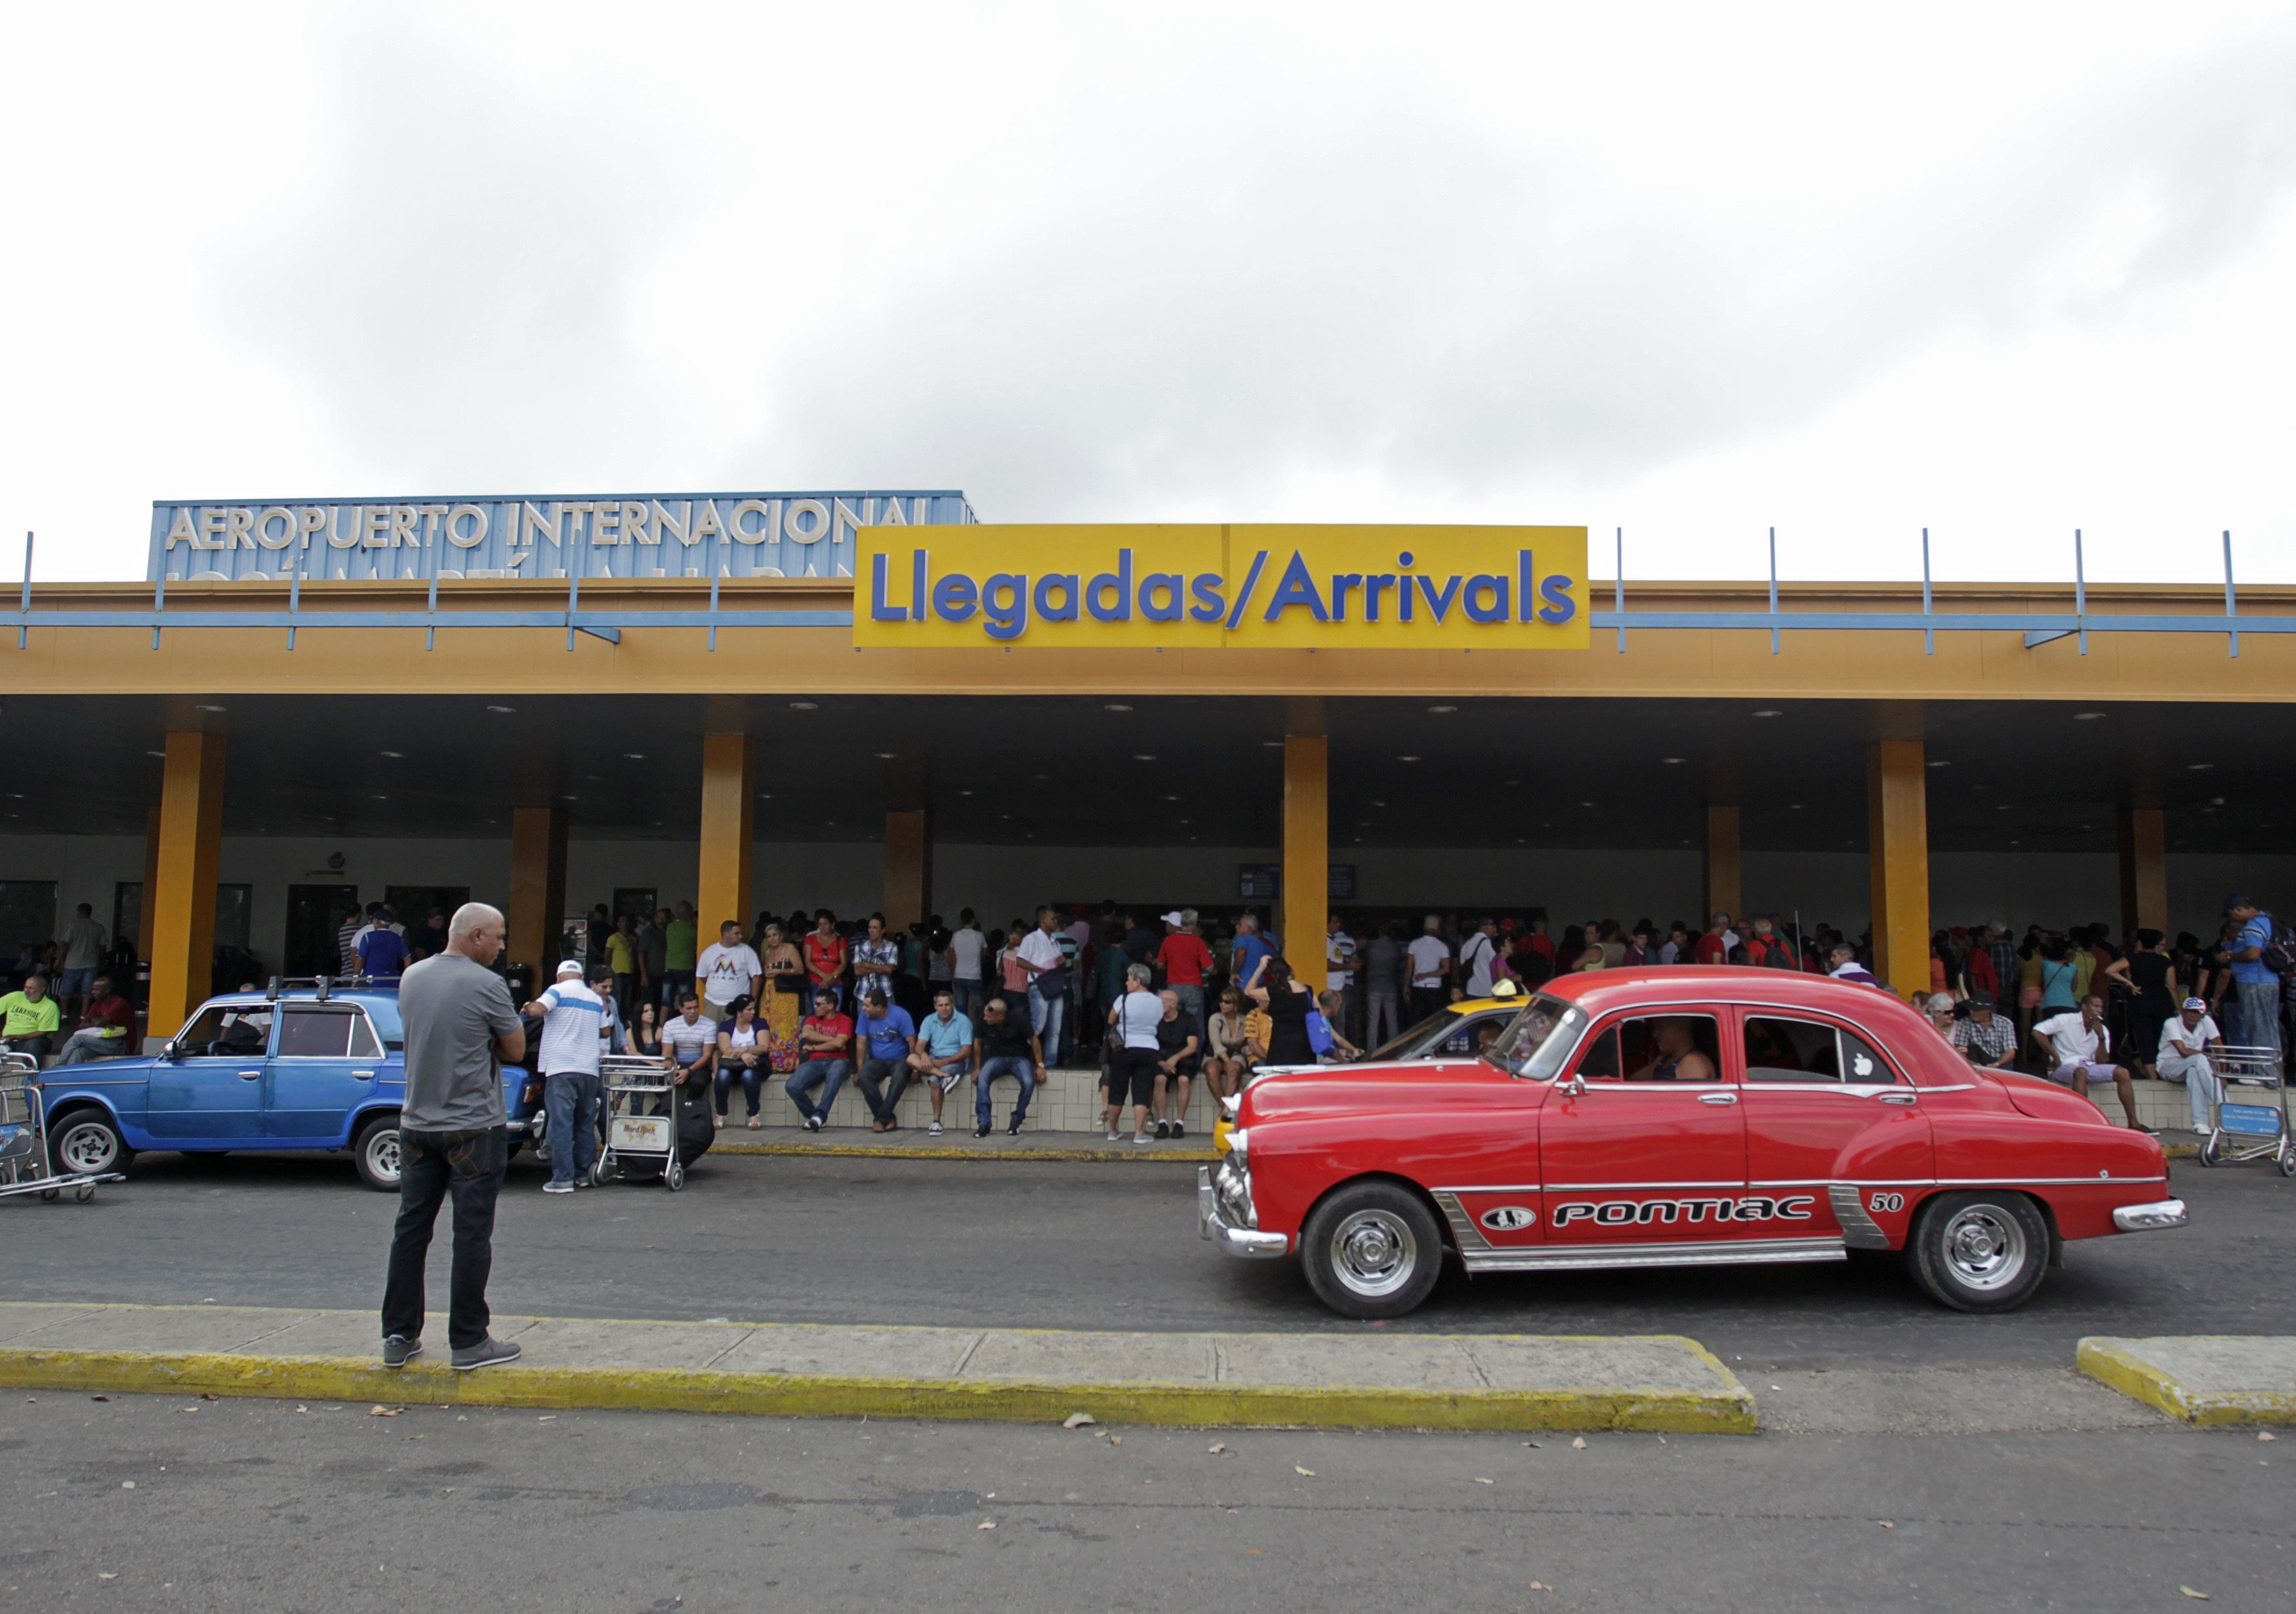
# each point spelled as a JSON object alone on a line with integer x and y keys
{"x": 1728, "y": 1409}
{"x": 893, "y": 1151}
{"x": 2133, "y": 1376}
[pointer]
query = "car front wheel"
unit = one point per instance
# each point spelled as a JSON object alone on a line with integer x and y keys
{"x": 376, "y": 1151}
{"x": 1371, "y": 1249}
{"x": 88, "y": 1141}
{"x": 1980, "y": 1251}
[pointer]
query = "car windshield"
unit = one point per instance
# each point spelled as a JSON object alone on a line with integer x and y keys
{"x": 1540, "y": 1038}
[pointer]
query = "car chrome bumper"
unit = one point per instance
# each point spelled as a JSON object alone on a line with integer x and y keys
{"x": 1235, "y": 1241}
{"x": 2145, "y": 1218}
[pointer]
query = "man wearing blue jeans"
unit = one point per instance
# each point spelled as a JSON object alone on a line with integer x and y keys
{"x": 2259, "y": 988}
{"x": 1003, "y": 1046}
{"x": 1047, "y": 968}
{"x": 572, "y": 1016}
{"x": 941, "y": 1053}
{"x": 887, "y": 1036}
{"x": 824, "y": 1042}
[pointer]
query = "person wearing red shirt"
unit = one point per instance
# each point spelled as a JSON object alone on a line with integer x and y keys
{"x": 1184, "y": 958}
{"x": 825, "y": 956}
{"x": 1714, "y": 947}
{"x": 107, "y": 1030}
{"x": 825, "y": 1048}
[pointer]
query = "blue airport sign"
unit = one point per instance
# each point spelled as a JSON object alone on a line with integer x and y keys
{"x": 686, "y": 535}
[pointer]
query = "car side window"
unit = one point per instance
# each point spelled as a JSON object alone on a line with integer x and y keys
{"x": 365, "y": 1044}
{"x": 1655, "y": 1048}
{"x": 315, "y": 1033}
{"x": 1779, "y": 1049}
{"x": 227, "y": 1031}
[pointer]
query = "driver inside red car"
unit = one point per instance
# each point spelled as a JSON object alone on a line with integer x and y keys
{"x": 1675, "y": 1056}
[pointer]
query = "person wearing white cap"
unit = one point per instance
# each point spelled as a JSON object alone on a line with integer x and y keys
{"x": 2184, "y": 1045}
{"x": 1183, "y": 959}
{"x": 571, "y": 1016}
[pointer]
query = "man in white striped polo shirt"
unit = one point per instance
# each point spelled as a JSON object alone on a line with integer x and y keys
{"x": 572, "y": 1016}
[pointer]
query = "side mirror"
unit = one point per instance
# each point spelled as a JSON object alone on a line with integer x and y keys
{"x": 1576, "y": 1086}
{"x": 169, "y": 1050}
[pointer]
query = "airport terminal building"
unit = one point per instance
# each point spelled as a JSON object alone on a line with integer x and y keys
{"x": 868, "y": 699}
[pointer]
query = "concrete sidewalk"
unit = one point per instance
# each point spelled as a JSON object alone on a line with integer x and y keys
{"x": 1366, "y": 1380}
{"x": 2203, "y": 1379}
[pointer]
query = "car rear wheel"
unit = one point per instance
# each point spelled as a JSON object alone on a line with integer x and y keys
{"x": 87, "y": 1141}
{"x": 1980, "y": 1251}
{"x": 376, "y": 1151}
{"x": 1371, "y": 1249}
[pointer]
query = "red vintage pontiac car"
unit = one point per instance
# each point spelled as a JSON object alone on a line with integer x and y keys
{"x": 1677, "y": 1117}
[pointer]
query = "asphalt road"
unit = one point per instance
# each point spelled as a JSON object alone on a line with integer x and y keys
{"x": 261, "y": 1507}
{"x": 1079, "y": 1245}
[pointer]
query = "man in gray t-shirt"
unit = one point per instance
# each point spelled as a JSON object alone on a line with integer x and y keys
{"x": 453, "y": 1136}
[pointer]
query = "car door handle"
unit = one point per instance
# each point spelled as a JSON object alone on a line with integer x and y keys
{"x": 251, "y": 1076}
{"x": 1896, "y": 1098}
{"x": 363, "y": 1076}
{"x": 1717, "y": 1098}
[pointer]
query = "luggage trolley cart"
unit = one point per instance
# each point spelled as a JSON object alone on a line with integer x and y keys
{"x": 24, "y": 1166}
{"x": 641, "y": 1121}
{"x": 2241, "y": 1117}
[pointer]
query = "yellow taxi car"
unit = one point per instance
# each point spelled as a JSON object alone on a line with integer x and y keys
{"x": 1457, "y": 1030}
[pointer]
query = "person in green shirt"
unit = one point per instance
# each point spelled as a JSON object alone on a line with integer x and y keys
{"x": 29, "y": 1019}
{"x": 678, "y": 950}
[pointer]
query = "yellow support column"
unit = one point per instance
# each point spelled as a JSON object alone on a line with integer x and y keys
{"x": 2143, "y": 869}
{"x": 729, "y": 800}
{"x": 538, "y": 890}
{"x": 908, "y": 868}
{"x": 183, "y": 904}
{"x": 151, "y": 886}
{"x": 1721, "y": 878}
{"x": 1307, "y": 854}
{"x": 1897, "y": 810}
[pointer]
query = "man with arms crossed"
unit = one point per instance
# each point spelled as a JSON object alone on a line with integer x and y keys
{"x": 454, "y": 1137}
{"x": 2186, "y": 1041}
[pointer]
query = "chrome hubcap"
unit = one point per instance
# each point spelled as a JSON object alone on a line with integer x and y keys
{"x": 87, "y": 1147}
{"x": 382, "y": 1155}
{"x": 1373, "y": 1253}
{"x": 1985, "y": 1246}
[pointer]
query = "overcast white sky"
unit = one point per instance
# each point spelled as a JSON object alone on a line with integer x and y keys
{"x": 2001, "y": 271}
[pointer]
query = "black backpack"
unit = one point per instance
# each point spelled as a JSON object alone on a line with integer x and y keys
{"x": 2278, "y": 954}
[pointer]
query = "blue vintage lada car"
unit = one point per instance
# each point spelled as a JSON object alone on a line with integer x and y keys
{"x": 305, "y": 1065}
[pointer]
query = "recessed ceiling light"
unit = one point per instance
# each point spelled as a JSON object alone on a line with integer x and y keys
{"x": 1442, "y": 709}
{"x": 502, "y": 709}
{"x": 1005, "y": 815}
{"x": 965, "y": 792}
{"x": 889, "y": 755}
{"x": 2199, "y": 767}
{"x": 1116, "y": 705}
{"x": 1362, "y": 824}
{"x": 1674, "y": 761}
{"x": 382, "y": 797}
{"x": 569, "y": 799}
{"x": 1142, "y": 756}
{"x": 764, "y": 795}
{"x": 1514, "y": 781}
{"x": 1379, "y": 804}
{"x": 2213, "y": 801}
{"x": 2086, "y": 717}
{"x": 805, "y": 705}
{"x": 1793, "y": 807}
{"x": 590, "y": 778}
{"x": 635, "y": 756}
{"x": 1769, "y": 711}
{"x": 1407, "y": 759}
{"x": 210, "y": 708}
{"x": 1276, "y": 744}
{"x": 1586, "y": 804}
{"x": 1941, "y": 765}
{"x": 1167, "y": 798}
{"x": 155, "y": 753}
{"x": 395, "y": 756}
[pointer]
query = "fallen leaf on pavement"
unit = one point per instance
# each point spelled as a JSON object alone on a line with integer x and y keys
{"x": 107, "y": 1574}
{"x": 1481, "y": 1480}
{"x": 385, "y": 1411}
{"x": 2196, "y": 1596}
{"x": 1077, "y": 1419}
{"x": 127, "y": 1485}
{"x": 2266, "y": 1435}
{"x": 1251, "y": 1551}
{"x": 1578, "y": 1443}
{"x": 547, "y": 1418}
{"x": 1309, "y": 1473}
{"x": 1116, "y": 1440}
{"x": 1540, "y": 1585}
{"x": 99, "y": 1397}
{"x": 1885, "y": 1524}
{"x": 1217, "y": 1447}
{"x": 988, "y": 1524}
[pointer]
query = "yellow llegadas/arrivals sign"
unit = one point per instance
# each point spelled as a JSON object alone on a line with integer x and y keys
{"x": 1270, "y": 587}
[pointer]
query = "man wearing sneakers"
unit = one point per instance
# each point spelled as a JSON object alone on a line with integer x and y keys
{"x": 942, "y": 1051}
{"x": 1005, "y": 1044}
{"x": 572, "y": 1016}
{"x": 454, "y": 1137}
{"x": 1178, "y": 1046}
